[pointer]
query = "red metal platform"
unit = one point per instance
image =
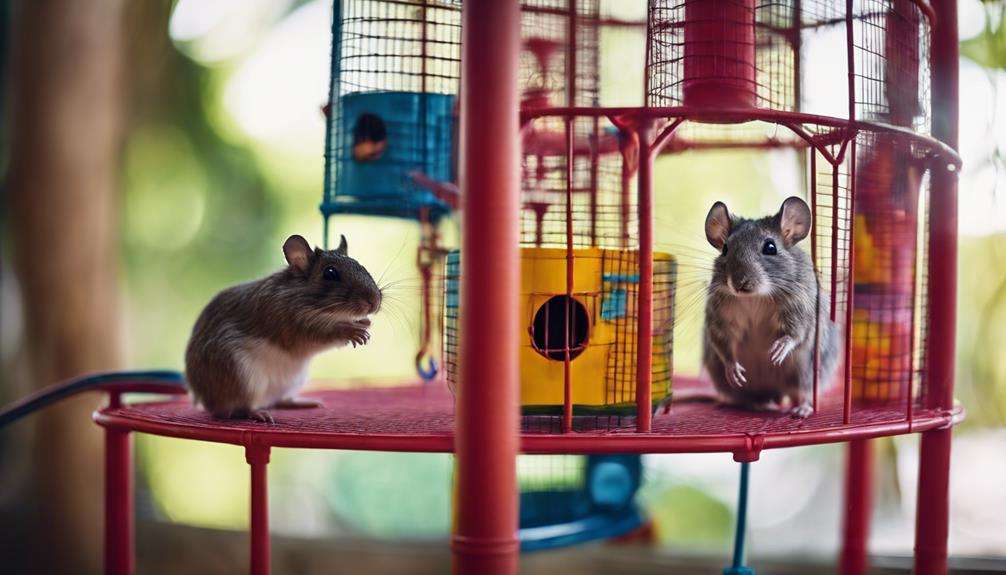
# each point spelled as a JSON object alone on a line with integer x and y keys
{"x": 421, "y": 419}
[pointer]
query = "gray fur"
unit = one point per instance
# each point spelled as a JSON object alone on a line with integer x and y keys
{"x": 755, "y": 301}
{"x": 296, "y": 310}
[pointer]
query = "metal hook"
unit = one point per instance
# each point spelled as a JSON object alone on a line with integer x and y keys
{"x": 428, "y": 373}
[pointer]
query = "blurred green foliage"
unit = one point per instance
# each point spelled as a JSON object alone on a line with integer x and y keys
{"x": 687, "y": 516}
{"x": 392, "y": 494}
{"x": 981, "y": 321}
{"x": 988, "y": 49}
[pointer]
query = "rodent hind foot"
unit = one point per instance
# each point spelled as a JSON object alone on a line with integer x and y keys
{"x": 260, "y": 415}
{"x": 802, "y": 411}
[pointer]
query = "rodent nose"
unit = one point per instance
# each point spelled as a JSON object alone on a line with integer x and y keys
{"x": 743, "y": 284}
{"x": 375, "y": 302}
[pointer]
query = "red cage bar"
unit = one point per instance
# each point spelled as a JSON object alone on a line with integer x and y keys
{"x": 485, "y": 534}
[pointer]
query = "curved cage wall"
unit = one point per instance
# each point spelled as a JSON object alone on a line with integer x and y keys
{"x": 392, "y": 107}
{"x": 731, "y": 74}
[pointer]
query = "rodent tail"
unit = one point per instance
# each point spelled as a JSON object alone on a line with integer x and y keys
{"x": 154, "y": 381}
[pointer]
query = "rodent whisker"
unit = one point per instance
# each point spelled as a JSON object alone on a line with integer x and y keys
{"x": 390, "y": 263}
{"x": 392, "y": 298}
{"x": 404, "y": 283}
{"x": 403, "y": 280}
{"x": 402, "y": 289}
{"x": 395, "y": 311}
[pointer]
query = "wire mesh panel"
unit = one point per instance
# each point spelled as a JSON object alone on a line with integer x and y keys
{"x": 832, "y": 225}
{"x": 602, "y": 212}
{"x": 736, "y": 53}
{"x": 890, "y": 188}
{"x": 395, "y": 76}
{"x": 619, "y": 306}
{"x": 891, "y": 64}
{"x": 559, "y": 68}
{"x": 559, "y": 55}
{"x": 716, "y": 54}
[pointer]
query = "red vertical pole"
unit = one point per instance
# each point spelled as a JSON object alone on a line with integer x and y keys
{"x": 257, "y": 457}
{"x": 932, "y": 519}
{"x": 119, "y": 559}
{"x": 486, "y": 434}
{"x": 813, "y": 256}
{"x": 571, "y": 55}
{"x": 567, "y": 372}
{"x": 850, "y": 283}
{"x": 858, "y": 504}
{"x": 626, "y": 184}
{"x": 644, "y": 328}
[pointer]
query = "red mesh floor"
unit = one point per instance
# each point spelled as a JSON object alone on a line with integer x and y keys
{"x": 421, "y": 418}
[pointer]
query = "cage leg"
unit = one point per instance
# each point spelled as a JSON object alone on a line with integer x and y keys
{"x": 257, "y": 457}
{"x": 644, "y": 326}
{"x": 933, "y": 515}
{"x": 858, "y": 505}
{"x": 119, "y": 558}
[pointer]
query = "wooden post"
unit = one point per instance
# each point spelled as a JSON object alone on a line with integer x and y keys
{"x": 65, "y": 116}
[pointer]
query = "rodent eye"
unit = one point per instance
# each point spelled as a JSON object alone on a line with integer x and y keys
{"x": 769, "y": 248}
{"x": 331, "y": 274}
{"x": 724, "y": 248}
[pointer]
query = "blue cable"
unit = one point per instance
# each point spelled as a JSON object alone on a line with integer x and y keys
{"x": 737, "y": 567}
{"x": 54, "y": 393}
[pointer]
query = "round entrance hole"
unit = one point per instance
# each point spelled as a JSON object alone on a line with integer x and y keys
{"x": 548, "y": 328}
{"x": 370, "y": 138}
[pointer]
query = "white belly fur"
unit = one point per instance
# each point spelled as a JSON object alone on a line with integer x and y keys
{"x": 271, "y": 373}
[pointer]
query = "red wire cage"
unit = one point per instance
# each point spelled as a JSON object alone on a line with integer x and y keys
{"x": 880, "y": 177}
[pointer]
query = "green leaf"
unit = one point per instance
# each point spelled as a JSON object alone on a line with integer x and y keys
{"x": 988, "y": 49}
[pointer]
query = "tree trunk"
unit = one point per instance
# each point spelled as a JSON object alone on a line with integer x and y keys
{"x": 65, "y": 127}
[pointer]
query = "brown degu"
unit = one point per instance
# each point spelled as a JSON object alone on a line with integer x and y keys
{"x": 764, "y": 305}
{"x": 250, "y": 348}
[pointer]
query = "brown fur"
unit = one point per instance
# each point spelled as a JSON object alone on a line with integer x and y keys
{"x": 296, "y": 310}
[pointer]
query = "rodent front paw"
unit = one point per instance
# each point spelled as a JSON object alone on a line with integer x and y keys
{"x": 781, "y": 349}
{"x": 735, "y": 374}
{"x": 357, "y": 333}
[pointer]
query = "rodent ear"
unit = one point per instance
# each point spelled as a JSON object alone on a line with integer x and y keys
{"x": 718, "y": 223}
{"x": 343, "y": 248}
{"x": 298, "y": 253}
{"x": 794, "y": 220}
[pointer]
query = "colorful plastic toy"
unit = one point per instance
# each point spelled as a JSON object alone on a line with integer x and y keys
{"x": 571, "y": 499}
{"x": 601, "y": 313}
